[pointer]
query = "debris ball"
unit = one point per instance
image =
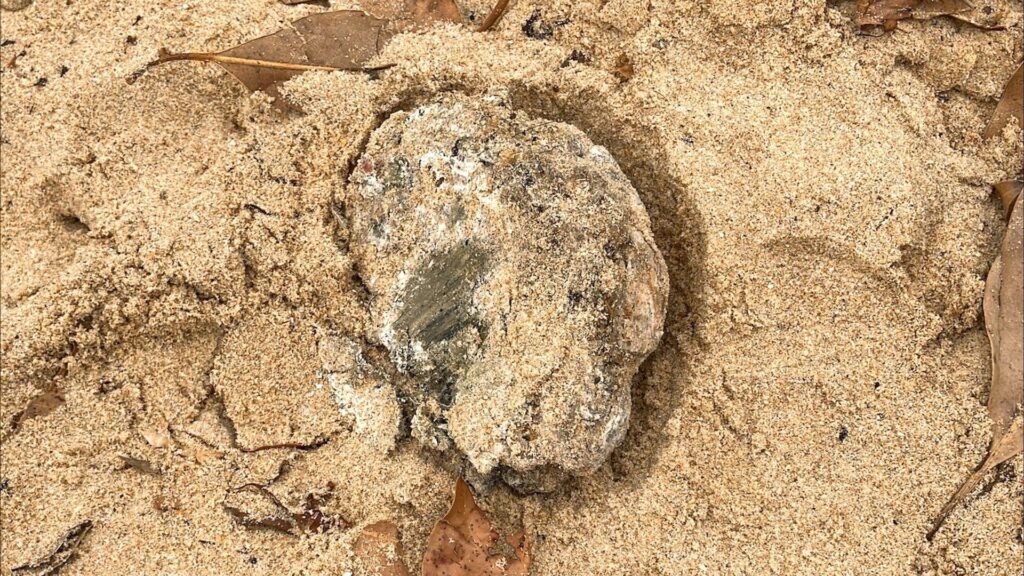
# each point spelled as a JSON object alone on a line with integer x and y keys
{"x": 514, "y": 281}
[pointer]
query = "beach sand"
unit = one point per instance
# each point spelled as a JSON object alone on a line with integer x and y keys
{"x": 173, "y": 264}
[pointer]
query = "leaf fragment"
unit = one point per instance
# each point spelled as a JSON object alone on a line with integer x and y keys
{"x": 887, "y": 13}
{"x": 1004, "y": 324}
{"x": 1009, "y": 191}
{"x": 1011, "y": 105}
{"x": 424, "y": 12}
{"x": 63, "y": 552}
{"x": 460, "y": 543}
{"x": 380, "y": 549}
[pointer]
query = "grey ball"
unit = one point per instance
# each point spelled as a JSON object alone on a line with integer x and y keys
{"x": 513, "y": 277}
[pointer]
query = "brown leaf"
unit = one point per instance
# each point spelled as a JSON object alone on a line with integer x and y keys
{"x": 1011, "y": 105}
{"x": 928, "y": 9}
{"x": 1009, "y": 191}
{"x": 460, "y": 543}
{"x": 62, "y": 553}
{"x": 329, "y": 41}
{"x": 413, "y": 13}
{"x": 380, "y": 550}
{"x": 1004, "y": 324}
{"x": 886, "y": 13}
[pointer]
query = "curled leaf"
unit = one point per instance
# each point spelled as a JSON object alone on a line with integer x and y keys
{"x": 1004, "y": 324}
{"x": 460, "y": 543}
{"x": 380, "y": 550}
{"x": 63, "y": 553}
{"x": 1011, "y": 105}
{"x": 1009, "y": 191}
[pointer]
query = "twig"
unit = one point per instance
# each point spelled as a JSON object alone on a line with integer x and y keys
{"x": 493, "y": 16}
{"x": 316, "y": 443}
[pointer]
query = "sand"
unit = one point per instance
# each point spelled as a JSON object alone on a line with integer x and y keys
{"x": 172, "y": 260}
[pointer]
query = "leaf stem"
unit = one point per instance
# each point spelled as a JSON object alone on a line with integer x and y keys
{"x": 165, "y": 56}
{"x": 493, "y": 16}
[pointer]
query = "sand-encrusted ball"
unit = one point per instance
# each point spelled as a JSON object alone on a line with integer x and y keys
{"x": 513, "y": 277}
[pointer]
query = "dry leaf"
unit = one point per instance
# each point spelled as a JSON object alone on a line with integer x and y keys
{"x": 1004, "y": 324}
{"x": 886, "y": 13}
{"x": 330, "y": 41}
{"x": 412, "y": 13}
{"x": 460, "y": 543}
{"x": 1009, "y": 191}
{"x": 40, "y": 405}
{"x": 62, "y": 553}
{"x": 380, "y": 550}
{"x": 1011, "y": 105}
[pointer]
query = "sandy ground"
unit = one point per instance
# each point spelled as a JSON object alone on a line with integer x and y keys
{"x": 172, "y": 264}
